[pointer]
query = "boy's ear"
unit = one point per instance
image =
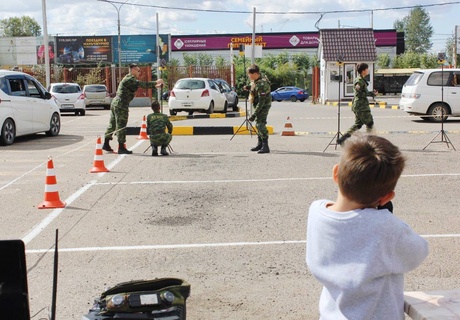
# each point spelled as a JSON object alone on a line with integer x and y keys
{"x": 386, "y": 198}
{"x": 335, "y": 173}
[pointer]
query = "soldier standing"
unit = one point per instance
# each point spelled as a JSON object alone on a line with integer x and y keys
{"x": 156, "y": 124}
{"x": 360, "y": 104}
{"x": 119, "y": 109}
{"x": 261, "y": 101}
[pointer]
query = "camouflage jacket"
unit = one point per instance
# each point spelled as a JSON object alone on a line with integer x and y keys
{"x": 360, "y": 89}
{"x": 260, "y": 93}
{"x": 157, "y": 122}
{"x": 127, "y": 89}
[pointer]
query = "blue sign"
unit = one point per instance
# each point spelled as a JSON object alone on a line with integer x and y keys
{"x": 140, "y": 48}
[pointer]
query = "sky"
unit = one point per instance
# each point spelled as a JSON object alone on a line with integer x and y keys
{"x": 181, "y": 17}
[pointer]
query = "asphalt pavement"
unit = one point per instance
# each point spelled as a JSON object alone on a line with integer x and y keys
{"x": 229, "y": 221}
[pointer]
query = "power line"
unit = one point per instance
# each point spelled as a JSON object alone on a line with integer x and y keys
{"x": 290, "y": 12}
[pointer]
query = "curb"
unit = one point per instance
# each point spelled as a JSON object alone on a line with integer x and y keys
{"x": 377, "y": 104}
{"x": 199, "y": 130}
{"x": 232, "y": 114}
{"x": 378, "y": 132}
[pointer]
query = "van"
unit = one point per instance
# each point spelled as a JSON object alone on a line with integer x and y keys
{"x": 432, "y": 94}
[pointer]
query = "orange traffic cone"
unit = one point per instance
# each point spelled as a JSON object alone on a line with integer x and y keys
{"x": 143, "y": 133}
{"x": 51, "y": 191}
{"x": 98, "y": 164}
{"x": 288, "y": 129}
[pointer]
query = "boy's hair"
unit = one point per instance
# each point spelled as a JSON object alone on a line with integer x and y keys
{"x": 133, "y": 65}
{"x": 369, "y": 168}
{"x": 360, "y": 67}
{"x": 155, "y": 105}
{"x": 253, "y": 68}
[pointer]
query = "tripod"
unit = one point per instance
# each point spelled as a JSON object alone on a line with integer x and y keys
{"x": 444, "y": 138}
{"x": 246, "y": 122}
{"x": 335, "y": 139}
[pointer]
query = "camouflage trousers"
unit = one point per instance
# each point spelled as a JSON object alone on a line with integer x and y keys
{"x": 363, "y": 116}
{"x": 160, "y": 139}
{"x": 117, "y": 123}
{"x": 261, "y": 123}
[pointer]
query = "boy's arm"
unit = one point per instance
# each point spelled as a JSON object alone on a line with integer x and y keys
{"x": 410, "y": 250}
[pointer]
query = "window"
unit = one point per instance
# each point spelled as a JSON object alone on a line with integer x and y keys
{"x": 34, "y": 91}
{"x": 17, "y": 87}
{"x": 438, "y": 78}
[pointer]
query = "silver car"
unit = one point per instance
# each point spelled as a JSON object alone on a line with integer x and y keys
{"x": 229, "y": 92}
{"x": 97, "y": 95}
{"x": 69, "y": 97}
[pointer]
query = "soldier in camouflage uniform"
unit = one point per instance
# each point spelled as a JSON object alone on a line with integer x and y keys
{"x": 360, "y": 104}
{"x": 261, "y": 101}
{"x": 156, "y": 124}
{"x": 119, "y": 110}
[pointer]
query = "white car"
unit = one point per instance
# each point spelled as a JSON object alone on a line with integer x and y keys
{"x": 25, "y": 107}
{"x": 97, "y": 95}
{"x": 69, "y": 97}
{"x": 433, "y": 94}
{"x": 197, "y": 94}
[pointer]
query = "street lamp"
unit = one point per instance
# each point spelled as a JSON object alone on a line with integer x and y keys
{"x": 119, "y": 36}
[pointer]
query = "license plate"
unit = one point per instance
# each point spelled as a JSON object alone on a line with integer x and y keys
{"x": 149, "y": 299}
{"x": 66, "y": 106}
{"x": 187, "y": 104}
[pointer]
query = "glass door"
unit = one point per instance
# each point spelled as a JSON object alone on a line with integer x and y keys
{"x": 349, "y": 79}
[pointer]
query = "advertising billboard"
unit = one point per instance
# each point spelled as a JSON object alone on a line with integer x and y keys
{"x": 140, "y": 48}
{"x": 266, "y": 40}
{"x": 83, "y": 49}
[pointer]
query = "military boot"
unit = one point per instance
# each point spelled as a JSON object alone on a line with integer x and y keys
{"x": 122, "y": 149}
{"x": 342, "y": 139}
{"x": 154, "y": 150}
{"x": 163, "y": 151}
{"x": 258, "y": 146}
{"x": 106, "y": 146}
{"x": 265, "y": 148}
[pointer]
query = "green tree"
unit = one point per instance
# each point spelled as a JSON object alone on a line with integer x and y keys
{"x": 205, "y": 59}
{"x": 190, "y": 59}
{"x": 383, "y": 60}
{"x": 450, "y": 51}
{"x": 221, "y": 62}
{"x": 19, "y": 27}
{"x": 417, "y": 30}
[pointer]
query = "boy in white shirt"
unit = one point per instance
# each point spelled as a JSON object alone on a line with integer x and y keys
{"x": 358, "y": 252}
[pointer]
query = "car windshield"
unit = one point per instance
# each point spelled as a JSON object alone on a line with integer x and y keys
{"x": 66, "y": 89}
{"x": 190, "y": 84}
{"x": 95, "y": 89}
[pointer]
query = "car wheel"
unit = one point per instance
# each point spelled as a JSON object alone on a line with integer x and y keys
{"x": 211, "y": 108}
{"x": 172, "y": 112}
{"x": 293, "y": 98}
{"x": 106, "y": 107}
{"x": 190, "y": 113}
{"x": 279, "y": 100}
{"x": 235, "y": 105}
{"x": 55, "y": 126}
{"x": 8, "y": 133}
{"x": 436, "y": 111}
{"x": 83, "y": 112}
{"x": 225, "y": 107}
{"x": 302, "y": 100}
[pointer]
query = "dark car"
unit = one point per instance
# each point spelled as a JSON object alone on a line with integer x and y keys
{"x": 230, "y": 94}
{"x": 165, "y": 95}
{"x": 290, "y": 93}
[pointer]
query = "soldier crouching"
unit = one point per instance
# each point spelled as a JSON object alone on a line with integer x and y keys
{"x": 157, "y": 122}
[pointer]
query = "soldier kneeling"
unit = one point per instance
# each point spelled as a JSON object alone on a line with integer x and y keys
{"x": 156, "y": 124}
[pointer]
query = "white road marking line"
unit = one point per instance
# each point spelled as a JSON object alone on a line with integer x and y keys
{"x": 199, "y": 245}
{"x": 37, "y": 229}
{"x": 263, "y": 180}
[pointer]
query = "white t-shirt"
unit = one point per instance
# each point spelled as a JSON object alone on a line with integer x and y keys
{"x": 360, "y": 257}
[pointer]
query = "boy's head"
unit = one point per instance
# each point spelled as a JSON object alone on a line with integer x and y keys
{"x": 362, "y": 67}
{"x": 155, "y": 105}
{"x": 369, "y": 169}
{"x": 253, "y": 72}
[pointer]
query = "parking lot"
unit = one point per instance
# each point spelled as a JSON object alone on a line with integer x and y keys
{"x": 229, "y": 221}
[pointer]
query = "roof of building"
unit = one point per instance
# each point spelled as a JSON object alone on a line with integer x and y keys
{"x": 348, "y": 44}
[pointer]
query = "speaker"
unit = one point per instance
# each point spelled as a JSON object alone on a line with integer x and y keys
{"x": 14, "y": 294}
